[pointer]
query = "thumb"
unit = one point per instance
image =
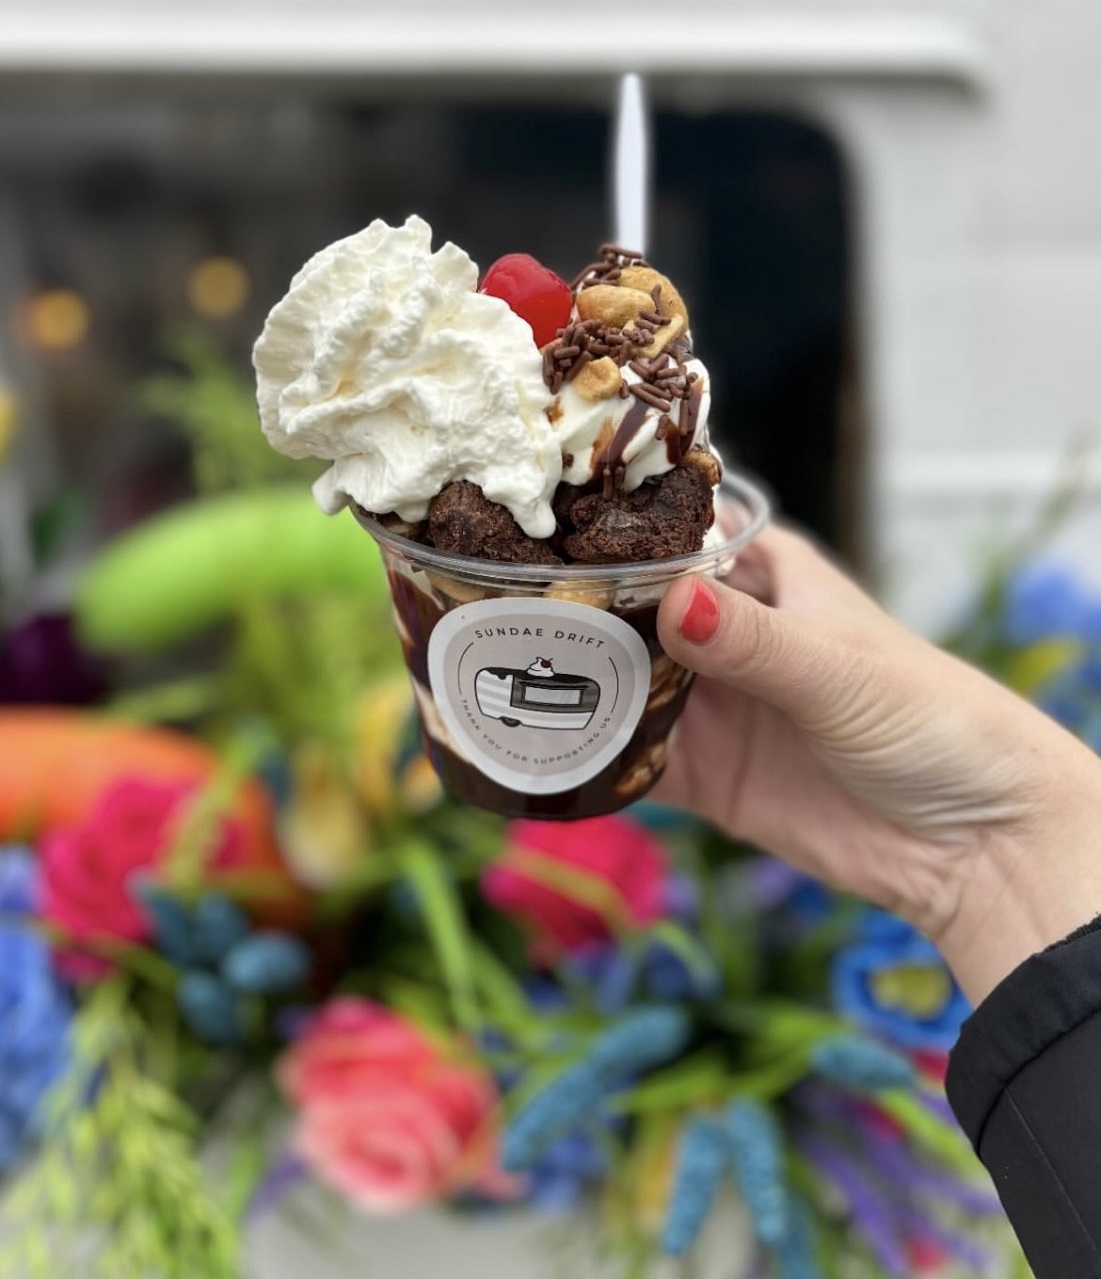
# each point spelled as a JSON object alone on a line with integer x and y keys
{"x": 780, "y": 657}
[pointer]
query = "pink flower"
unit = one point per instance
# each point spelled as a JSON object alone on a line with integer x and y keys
{"x": 88, "y": 870}
{"x": 387, "y": 1116}
{"x": 933, "y": 1065}
{"x": 926, "y": 1256}
{"x": 619, "y": 858}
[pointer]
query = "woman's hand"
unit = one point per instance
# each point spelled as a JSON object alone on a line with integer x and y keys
{"x": 827, "y": 733}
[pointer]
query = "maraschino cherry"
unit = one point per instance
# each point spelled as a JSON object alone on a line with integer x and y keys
{"x": 533, "y": 291}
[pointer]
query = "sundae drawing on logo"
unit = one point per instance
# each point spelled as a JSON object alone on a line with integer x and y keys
{"x": 537, "y": 697}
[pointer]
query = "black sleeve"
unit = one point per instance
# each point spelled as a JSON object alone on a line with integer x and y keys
{"x": 1025, "y": 1083}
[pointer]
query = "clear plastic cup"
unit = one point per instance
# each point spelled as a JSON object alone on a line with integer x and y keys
{"x": 543, "y": 691}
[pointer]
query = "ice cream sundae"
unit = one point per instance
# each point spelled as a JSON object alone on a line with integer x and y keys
{"x": 533, "y": 458}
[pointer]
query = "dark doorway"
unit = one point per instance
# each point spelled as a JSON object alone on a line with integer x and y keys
{"x": 750, "y": 218}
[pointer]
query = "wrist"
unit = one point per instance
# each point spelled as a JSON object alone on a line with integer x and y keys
{"x": 1026, "y": 889}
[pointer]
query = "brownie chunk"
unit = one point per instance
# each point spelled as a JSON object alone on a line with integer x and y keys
{"x": 661, "y": 518}
{"x": 462, "y": 520}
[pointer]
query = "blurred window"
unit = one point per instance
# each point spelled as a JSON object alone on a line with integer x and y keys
{"x": 128, "y": 214}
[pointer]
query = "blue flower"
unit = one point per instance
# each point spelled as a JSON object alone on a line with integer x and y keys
{"x": 171, "y": 923}
{"x": 614, "y": 975}
{"x": 1044, "y": 601}
{"x": 18, "y": 880}
{"x": 772, "y": 884}
{"x": 1089, "y": 669}
{"x": 1064, "y": 698}
{"x": 662, "y": 818}
{"x": 644, "y": 1038}
{"x": 565, "y": 1101}
{"x": 893, "y": 983}
{"x": 682, "y": 898}
{"x": 609, "y": 970}
{"x": 215, "y": 934}
{"x": 796, "y": 1256}
{"x": 861, "y": 1064}
{"x": 701, "y": 1161}
{"x": 669, "y": 977}
{"x": 267, "y": 963}
{"x": 756, "y": 1155}
{"x": 210, "y": 1008}
{"x": 219, "y": 924}
{"x": 560, "y": 1177}
{"x": 35, "y": 1011}
{"x": 1090, "y": 731}
{"x": 193, "y": 936}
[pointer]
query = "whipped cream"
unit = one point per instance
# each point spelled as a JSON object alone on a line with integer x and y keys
{"x": 384, "y": 359}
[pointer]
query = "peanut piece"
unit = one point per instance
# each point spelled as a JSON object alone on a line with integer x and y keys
{"x": 393, "y": 523}
{"x": 644, "y": 278}
{"x": 594, "y": 594}
{"x": 598, "y": 380}
{"x": 643, "y": 771}
{"x": 456, "y": 591}
{"x": 665, "y": 684}
{"x": 662, "y": 337}
{"x": 612, "y": 305}
{"x": 705, "y": 461}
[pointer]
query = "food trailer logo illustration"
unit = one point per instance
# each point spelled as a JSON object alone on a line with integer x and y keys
{"x": 540, "y": 695}
{"x": 537, "y": 697}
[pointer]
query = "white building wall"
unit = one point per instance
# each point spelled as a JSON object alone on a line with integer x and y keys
{"x": 981, "y": 212}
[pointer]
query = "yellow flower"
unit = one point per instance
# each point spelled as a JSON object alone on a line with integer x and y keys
{"x": 377, "y": 725}
{"x": 922, "y": 990}
{"x": 1035, "y": 665}
{"x": 639, "y": 1199}
{"x": 419, "y": 786}
{"x": 7, "y": 421}
{"x": 324, "y": 832}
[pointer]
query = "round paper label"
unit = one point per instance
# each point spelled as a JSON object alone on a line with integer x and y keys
{"x": 540, "y": 695}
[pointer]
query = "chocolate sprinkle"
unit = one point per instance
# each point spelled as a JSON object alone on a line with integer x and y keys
{"x": 575, "y": 368}
{"x": 613, "y": 258}
{"x": 644, "y": 392}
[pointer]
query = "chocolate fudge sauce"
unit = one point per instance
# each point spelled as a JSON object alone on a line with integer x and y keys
{"x": 625, "y": 779}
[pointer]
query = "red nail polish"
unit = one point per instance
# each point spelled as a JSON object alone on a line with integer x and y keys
{"x": 701, "y": 617}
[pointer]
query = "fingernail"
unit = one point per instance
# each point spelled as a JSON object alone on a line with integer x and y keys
{"x": 701, "y": 617}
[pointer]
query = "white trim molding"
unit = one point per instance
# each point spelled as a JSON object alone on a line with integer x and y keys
{"x": 956, "y": 476}
{"x": 904, "y": 38}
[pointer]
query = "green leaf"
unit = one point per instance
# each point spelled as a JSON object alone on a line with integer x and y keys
{"x": 697, "y": 1079}
{"x": 247, "y": 1166}
{"x": 199, "y": 833}
{"x": 366, "y": 877}
{"x": 56, "y": 524}
{"x": 777, "y": 1024}
{"x": 772, "y": 1079}
{"x": 941, "y": 1139}
{"x": 687, "y": 948}
{"x": 421, "y": 1004}
{"x": 446, "y": 925}
{"x": 174, "y": 701}
{"x": 117, "y": 1174}
{"x": 502, "y": 996}
{"x": 580, "y": 886}
{"x": 733, "y": 942}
